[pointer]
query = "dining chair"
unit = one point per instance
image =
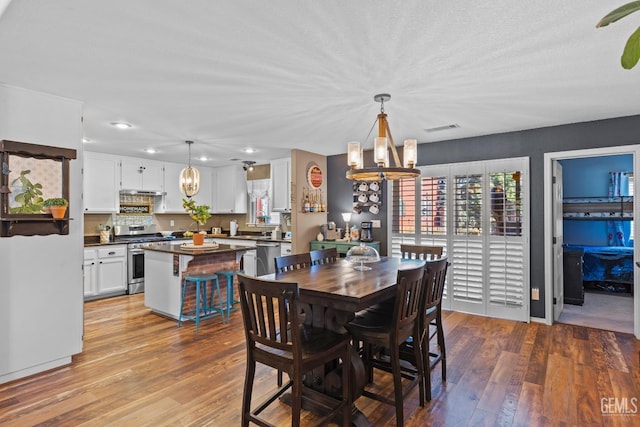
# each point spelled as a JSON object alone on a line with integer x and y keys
{"x": 324, "y": 256}
{"x": 430, "y": 324}
{"x": 420, "y": 251}
{"x": 292, "y": 262}
{"x": 390, "y": 330}
{"x": 274, "y": 338}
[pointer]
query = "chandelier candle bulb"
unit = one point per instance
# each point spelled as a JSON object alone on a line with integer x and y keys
{"x": 410, "y": 153}
{"x": 381, "y": 152}
{"x": 354, "y": 154}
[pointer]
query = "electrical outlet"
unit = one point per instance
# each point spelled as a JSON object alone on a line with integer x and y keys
{"x": 172, "y": 223}
{"x": 535, "y": 294}
{"x": 375, "y": 223}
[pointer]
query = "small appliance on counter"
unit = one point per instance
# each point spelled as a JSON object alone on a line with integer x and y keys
{"x": 366, "y": 234}
{"x": 330, "y": 231}
{"x": 233, "y": 227}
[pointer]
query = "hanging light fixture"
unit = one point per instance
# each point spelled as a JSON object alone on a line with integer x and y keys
{"x": 189, "y": 178}
{"x": 382, "y": 170}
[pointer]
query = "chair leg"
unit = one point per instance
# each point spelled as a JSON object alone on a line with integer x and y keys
{"x": 397, "y": 385}
{"x": 296, "y": 400}
{"x": 418, "y": 355}
{"x": 443, "y": 351}
{"x": 248, "y": 390}
{"x": 346, "y": 387}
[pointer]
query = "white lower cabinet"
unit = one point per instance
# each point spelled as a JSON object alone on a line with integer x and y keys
{"x": 105, "y": 271}
{"x": 285, "y": 249}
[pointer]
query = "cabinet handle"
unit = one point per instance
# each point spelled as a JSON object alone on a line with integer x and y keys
{"x": 112, "y": 253}
{"x": 100, "y": 262}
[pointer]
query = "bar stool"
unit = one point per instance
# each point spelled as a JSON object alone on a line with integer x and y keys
{"x": 229, "y": 276}
{"x": 203, "y": 309}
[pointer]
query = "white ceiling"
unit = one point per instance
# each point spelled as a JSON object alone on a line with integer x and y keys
{"x": 276, "y": 75}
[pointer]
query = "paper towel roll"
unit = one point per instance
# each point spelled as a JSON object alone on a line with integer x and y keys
{"x": 233, "y": 227}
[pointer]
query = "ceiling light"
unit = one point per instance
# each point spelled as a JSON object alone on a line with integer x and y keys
{"x": 189, "y": 177}
{"x": 121, "y": 125}
{"x": 247, "y": 165}
{"x": 381, "y": 153}
{"x": 150, "y": 151}
{"x": 203, "y": 158}
{"x": 249, "y": 150}
{"x": 86, "y": 140}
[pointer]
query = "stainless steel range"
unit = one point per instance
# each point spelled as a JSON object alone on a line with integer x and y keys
{"x": 135, "y": 236}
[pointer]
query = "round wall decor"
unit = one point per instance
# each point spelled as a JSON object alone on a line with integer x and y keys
{"x": 314, "y": 176}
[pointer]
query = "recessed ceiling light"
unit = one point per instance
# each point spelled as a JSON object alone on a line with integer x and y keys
{"x": 249, "y": 150}
{"x": 121, "y": 125}
{"x": 150, "y": 150}
{"x": 85, "y": 140}
{"x": 203, "y": 158}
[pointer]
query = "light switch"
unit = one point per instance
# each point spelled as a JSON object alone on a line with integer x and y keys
{"x": 535, "y": 294}
{"x": 375, "y": 223}
{"x": 172, "y": 223}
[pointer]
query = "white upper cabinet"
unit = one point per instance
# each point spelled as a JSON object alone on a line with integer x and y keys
{"x": 205, "y": 195}
{"x": 281, "y": 181}
{"x": 229, "y": 190}
{"x": 172, "y": 199}
{"x": 141, "y": 174}
{"x": 101, "y": 183}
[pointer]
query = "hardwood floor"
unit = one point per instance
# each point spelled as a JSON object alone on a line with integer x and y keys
{"x": 139, "y": 369}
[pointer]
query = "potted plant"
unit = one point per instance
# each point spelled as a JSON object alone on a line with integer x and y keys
{"x": 57, "y": 206}
{"x": 200, "y": 214}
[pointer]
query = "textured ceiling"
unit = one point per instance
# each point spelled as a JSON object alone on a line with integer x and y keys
{"x": 276, "y": 75}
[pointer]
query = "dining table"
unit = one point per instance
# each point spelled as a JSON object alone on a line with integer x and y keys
{"x": 330, "y": 296}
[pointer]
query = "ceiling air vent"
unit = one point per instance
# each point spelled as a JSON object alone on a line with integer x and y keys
{"x": 439, "y": 128}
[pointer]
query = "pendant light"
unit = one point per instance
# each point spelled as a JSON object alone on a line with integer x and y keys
{"x": 382, "y": 170}
{"x": 189, "y": 177}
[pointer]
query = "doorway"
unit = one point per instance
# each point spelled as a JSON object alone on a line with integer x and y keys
{"x": 596, "y": 301}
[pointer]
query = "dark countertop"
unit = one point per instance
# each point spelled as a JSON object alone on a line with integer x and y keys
{"x": 176, "y": 248}
{"x": 90, "y": 241}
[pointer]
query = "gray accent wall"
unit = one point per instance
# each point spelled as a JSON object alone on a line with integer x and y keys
{"x": 532, "y": 143}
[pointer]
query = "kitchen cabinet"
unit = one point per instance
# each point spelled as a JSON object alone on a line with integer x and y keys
{"x": 229, "y": 190}
{"x": 105, "y": 271}
{"x": 141, "y": 174}
{"x": 100, "y": 183}
{"x": 281, "y": 183}
{"x": 285, "y": 249}
{"x": 341, "y": 246}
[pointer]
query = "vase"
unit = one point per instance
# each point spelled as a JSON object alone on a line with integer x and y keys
{"x": 198, "y": 239}
{"x": 58, "y": 211}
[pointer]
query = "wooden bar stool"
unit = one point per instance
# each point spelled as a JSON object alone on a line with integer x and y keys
{"x": 203, "y": 308}
{"x": 229, "y": 276}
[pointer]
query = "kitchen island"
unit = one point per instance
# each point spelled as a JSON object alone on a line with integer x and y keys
{"x": 167, "y": 263}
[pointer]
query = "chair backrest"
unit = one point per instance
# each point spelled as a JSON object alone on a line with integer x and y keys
{"x": 409, "y": 284}
{"x": 421, "y": 251}
{"x": 435, "y": 278}
{"x": 323, "y": 256}
{"x": 269, "y": 310}
{"x": 292, "y": 262}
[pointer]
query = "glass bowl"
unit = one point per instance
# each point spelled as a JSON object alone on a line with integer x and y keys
{"x": 360, "y": 255}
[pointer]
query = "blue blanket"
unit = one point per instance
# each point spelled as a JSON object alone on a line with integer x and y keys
{"x": 607, "y": 263}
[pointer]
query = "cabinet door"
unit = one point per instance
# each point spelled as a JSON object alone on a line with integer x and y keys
{"x": 90, "y": 268}
{"x": 230, "y": 194}
{"x": 152, "y": 175}
{"x": 172, "y": 199}
{"x": 131, "y": 170}
{"x": 100, "y": 183}
{"x": 205, "y": 195}
{"x": 281, "y": 182}
{"x": 112, "y": 275}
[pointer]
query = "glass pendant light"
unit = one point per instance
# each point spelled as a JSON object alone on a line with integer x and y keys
{"x": 189, "y": 177}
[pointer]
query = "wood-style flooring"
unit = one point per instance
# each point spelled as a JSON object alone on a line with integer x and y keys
{"x": 140, "y": 369}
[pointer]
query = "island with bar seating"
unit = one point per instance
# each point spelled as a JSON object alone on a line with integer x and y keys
{"x": 167, "y": 263}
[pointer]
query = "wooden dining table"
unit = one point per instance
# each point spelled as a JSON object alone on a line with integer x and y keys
{"x": 330, "y": 295}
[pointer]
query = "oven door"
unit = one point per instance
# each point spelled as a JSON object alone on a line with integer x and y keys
{"x": 135, "y": 270}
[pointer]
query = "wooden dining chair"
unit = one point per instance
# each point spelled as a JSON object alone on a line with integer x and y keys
{"x": 430, "y": 324}
{"x": 420, "y": 251}
{"x": 390, "y": 330}
{"x": 323, "y": 256}
{"x": 292, "y": 262}
{"x": 274, "y": 338}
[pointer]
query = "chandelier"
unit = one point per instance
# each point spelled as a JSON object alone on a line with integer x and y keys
{"x": 382, "y": 171}
{"x": 189, "y": 177}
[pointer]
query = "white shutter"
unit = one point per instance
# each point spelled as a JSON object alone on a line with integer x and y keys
{"x": 467, "y": 274}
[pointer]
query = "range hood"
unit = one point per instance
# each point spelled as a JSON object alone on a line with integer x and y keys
{"x": 143, "y": 192}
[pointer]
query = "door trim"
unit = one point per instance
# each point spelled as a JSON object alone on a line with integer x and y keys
{"x": 548, "y": 221}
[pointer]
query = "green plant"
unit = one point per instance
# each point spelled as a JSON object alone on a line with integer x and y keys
{"x": 199, "y": 213}
{"x": 30, "y": 197}
{"x": 56, "y": 201}
{"x": 631, "y": 53}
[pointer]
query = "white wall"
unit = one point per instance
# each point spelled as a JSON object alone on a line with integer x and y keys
{"x": 41, "y": 302}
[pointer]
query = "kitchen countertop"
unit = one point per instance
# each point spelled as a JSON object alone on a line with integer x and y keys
{"x": 176, "y": 248}
{"x": 90, "y": 241}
